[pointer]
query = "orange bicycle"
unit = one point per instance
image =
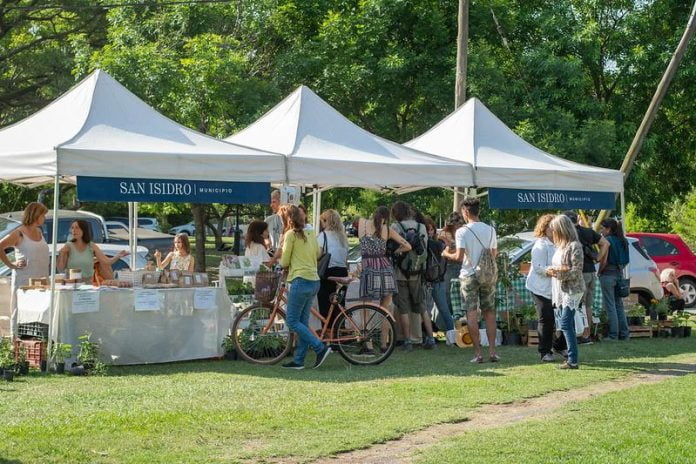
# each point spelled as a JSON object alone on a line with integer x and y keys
{"x": 363, "y": 334}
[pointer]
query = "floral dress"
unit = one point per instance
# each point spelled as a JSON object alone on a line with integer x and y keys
{"x": 377, "y": 277}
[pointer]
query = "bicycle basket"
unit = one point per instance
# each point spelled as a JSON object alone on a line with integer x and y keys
{"x": 266, "y": 286}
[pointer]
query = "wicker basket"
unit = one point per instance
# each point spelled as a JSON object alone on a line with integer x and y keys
{"x": 266, "y": 286}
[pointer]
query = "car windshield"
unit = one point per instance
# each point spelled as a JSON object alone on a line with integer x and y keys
{"x": 7, "y": 226}
{"x": 513, "y": 246}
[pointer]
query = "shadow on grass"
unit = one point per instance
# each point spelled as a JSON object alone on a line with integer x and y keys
{"x": 444, "y": 361}
{"x": 9, "y": 461}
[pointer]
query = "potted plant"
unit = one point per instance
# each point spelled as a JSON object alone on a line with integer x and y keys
{"x": 529, "y": 315}
{"x": 59, "y": 353}
{"x": 230, "y": 348}
{"x": 6, "y": 360}
{"x": 679, "y": 321}
{"x": 22, "y": 363}
{"x": 88, "y": 356}
{"x": 636, "y": 315}
{"x": 659, "y": 309}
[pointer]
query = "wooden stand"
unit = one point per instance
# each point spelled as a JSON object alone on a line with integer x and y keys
{"x": 532, "y": 338}
{"x": 640, "y": 331}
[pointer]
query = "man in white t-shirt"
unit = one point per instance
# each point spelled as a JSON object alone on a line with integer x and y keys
{"x": 471, "y": 240}
{"x": 275, "y": 223}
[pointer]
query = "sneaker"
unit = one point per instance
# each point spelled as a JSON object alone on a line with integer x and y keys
{"x": 585, "y": 341}
{"x": 567, "y": 365}
{"x": 429, "y": 343}
{"x": 494, "y": 358}
{"x": 547, "y": 358}
{"x": 563, "y": 353}
{"x": 293, "y": 365}
{"x": 321, "y": 356}
{"x": 407, "y": 346}
{"x": 477, "y": 360}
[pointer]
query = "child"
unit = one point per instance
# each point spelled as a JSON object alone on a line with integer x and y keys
{"x": 180, "y": 259}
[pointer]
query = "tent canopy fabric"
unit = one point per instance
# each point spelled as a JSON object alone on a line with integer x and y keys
{"x": 325, "y": 148}
{"x": 503, "y": 159}
{"x": 99, "y": 128}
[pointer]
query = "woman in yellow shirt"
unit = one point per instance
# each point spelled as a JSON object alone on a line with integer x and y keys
{"x": 299, "y": 257}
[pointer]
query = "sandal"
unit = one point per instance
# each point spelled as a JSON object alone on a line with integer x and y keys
{"x": 477, "y": 360}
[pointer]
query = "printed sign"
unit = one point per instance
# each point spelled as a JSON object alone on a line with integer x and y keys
{"x": 146, "y": 300}
{"x": 500, "y": 198}
{"x": 177, "y": 191}
{"x": 85, "y": 302}
{"x": 205, "y": 299}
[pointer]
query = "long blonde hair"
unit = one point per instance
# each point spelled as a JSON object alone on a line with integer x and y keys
{"x": 563, "y": 231}
{"x": 332, "y": 222}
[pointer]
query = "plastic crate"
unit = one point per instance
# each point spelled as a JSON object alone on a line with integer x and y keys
{"x": 33, "y": 329}
{"x": 36, "y": 351}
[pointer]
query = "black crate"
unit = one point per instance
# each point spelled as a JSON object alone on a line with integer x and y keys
{"x": 33, "y": 329}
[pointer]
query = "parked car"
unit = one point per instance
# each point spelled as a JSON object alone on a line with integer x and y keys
{"x": 116, "y": 227}
{"x": 97, "y": 227}
{"x": 669, "y": 250}
{"x": 149, "y": 223}
{"x": 188, "y": 229}
{"x": 645, "y": 277}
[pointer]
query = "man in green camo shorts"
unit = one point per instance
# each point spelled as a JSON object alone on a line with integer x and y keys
{"x": 471, "y": 240}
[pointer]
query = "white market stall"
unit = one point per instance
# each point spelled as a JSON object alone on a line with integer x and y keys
{"x": 508, "y": 165}
{"x": 325, "y": 149}
{"x": 99, "y": 130}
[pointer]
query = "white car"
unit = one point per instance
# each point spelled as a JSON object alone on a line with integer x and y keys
{"x": 188, "y": 229}
{"x": 116, "y": 227}
{"x": 149, "y": 223}
{"x": 645, "y": 277}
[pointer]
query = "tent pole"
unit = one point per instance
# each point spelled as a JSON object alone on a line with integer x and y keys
{"x": 623, "y": 210}
{"x": 317, "y": 211}
{"x": 54, "y": 248}
{"x": 134, "y": 249}
{"x": 130, "y": 235}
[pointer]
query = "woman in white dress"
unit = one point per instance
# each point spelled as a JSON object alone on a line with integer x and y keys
{"x": 31, "y": 254}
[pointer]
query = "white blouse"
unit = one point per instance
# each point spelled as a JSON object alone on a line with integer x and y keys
{"x": 542, "y": 255}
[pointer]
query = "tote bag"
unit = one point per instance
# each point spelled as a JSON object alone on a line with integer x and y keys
{"x": 324, "y": 259}
{"x": 623, "y": 284}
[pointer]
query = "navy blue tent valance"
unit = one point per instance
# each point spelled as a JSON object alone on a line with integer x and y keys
{"x": 168, "y": 190}
{"x": 500, "y": 198}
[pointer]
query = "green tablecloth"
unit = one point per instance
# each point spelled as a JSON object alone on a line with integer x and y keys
{"x": 512, "y": 298}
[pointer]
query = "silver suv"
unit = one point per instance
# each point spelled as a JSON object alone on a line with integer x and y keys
{"x": 645, "y": 277}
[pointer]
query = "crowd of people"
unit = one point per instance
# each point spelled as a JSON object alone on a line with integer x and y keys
{"x": 407, "y": 266}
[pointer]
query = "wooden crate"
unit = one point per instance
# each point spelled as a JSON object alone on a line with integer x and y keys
{"x": 532, "y": 338}
{"x": 639, "y": 331}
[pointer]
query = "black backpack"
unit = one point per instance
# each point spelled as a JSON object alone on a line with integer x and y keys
{"x": 413, "y": 262}
{"x": 435, "y": 265}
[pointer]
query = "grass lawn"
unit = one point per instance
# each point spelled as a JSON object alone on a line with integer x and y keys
{"x": 644, "y": 424}
{"x": 220, "y": 411}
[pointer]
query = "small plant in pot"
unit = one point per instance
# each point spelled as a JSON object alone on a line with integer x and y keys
{"x": 679, "y": 321}
{"x": 529, "y": 315}
{"x": 7, "y": 360}
{"x": 230, "y": 348}
{"x": 88, "y": 357}
{"x": 59, "y": 352}
{"x": 22, "y": 363}
{"x": 636, "y": 315}
{"x": 659, "y": 309}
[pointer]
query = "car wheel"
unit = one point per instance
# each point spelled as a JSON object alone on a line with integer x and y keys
{"x": 688, "y": 288}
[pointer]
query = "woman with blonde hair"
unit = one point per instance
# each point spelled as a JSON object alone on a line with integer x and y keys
{"x": 539, "y": 285}
{"x": 568, "y": 284}
{"x": 31, "y": 254}
{"x": 332, "y": 240}
{"x": 299, "y": 258}
{"x": 671, "y": 289}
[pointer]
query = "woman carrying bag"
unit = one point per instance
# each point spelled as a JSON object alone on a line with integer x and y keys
{"x": 611, "y": 279}
{"x": 333, "y": 244}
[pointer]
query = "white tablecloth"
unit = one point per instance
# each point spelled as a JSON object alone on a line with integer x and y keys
{"x": 175, "y": 332}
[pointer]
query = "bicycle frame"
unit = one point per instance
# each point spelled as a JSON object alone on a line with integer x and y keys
{"x": 325, "y": 334}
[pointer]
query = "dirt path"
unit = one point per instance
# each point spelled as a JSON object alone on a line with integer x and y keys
{"x": 401, "y": 451}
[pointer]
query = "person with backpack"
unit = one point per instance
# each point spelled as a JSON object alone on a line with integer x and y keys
{"x": 435, "y": 271}
{"x": 477, "y": 248}
{"x": 409, "y": 267}
{"x": 594, "y": 249}
{"x": 447, "y": 234}
{"x": 611, "y": 269}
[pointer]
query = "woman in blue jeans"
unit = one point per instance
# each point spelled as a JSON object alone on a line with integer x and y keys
{"x": 568, "y": 284}
{"x": 610, "y": 271}
{"x": 299, "y": 257}
{"x": 439, "y": 288}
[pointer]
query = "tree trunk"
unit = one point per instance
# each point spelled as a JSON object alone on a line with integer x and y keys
{"x": 198, "y": 212}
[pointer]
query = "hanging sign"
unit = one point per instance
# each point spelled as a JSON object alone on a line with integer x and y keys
{"x": 500, "y": 198}
{"x": 176, "y": 191}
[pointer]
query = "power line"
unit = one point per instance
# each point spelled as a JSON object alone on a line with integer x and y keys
{"x": 108, "y": 6}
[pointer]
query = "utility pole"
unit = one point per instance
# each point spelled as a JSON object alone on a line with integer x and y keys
{"x": 460, "y": 75}
{"x": 654, "y": 106}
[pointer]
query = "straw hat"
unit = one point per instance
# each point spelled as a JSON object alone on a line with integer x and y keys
{"x": 463, "y": 338}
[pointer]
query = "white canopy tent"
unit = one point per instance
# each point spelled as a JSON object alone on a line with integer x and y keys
{"x": 325, "y": 149}
{"x": 99, "y": 128}
{"x": 503, "y": 159}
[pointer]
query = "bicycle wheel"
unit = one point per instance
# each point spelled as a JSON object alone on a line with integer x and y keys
{"x": 365, "y": 334}
{"x": 260, "y": 340}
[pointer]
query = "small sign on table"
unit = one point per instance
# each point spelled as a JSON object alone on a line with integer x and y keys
{"x": 146, "y": 300}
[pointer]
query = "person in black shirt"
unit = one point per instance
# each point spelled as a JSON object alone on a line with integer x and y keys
{"x": 588, "y": 238}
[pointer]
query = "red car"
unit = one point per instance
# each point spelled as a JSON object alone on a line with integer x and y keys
{"x": 669, "y": 250}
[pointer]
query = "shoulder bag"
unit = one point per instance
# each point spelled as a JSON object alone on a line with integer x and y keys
{"x": 324, "y": 259}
